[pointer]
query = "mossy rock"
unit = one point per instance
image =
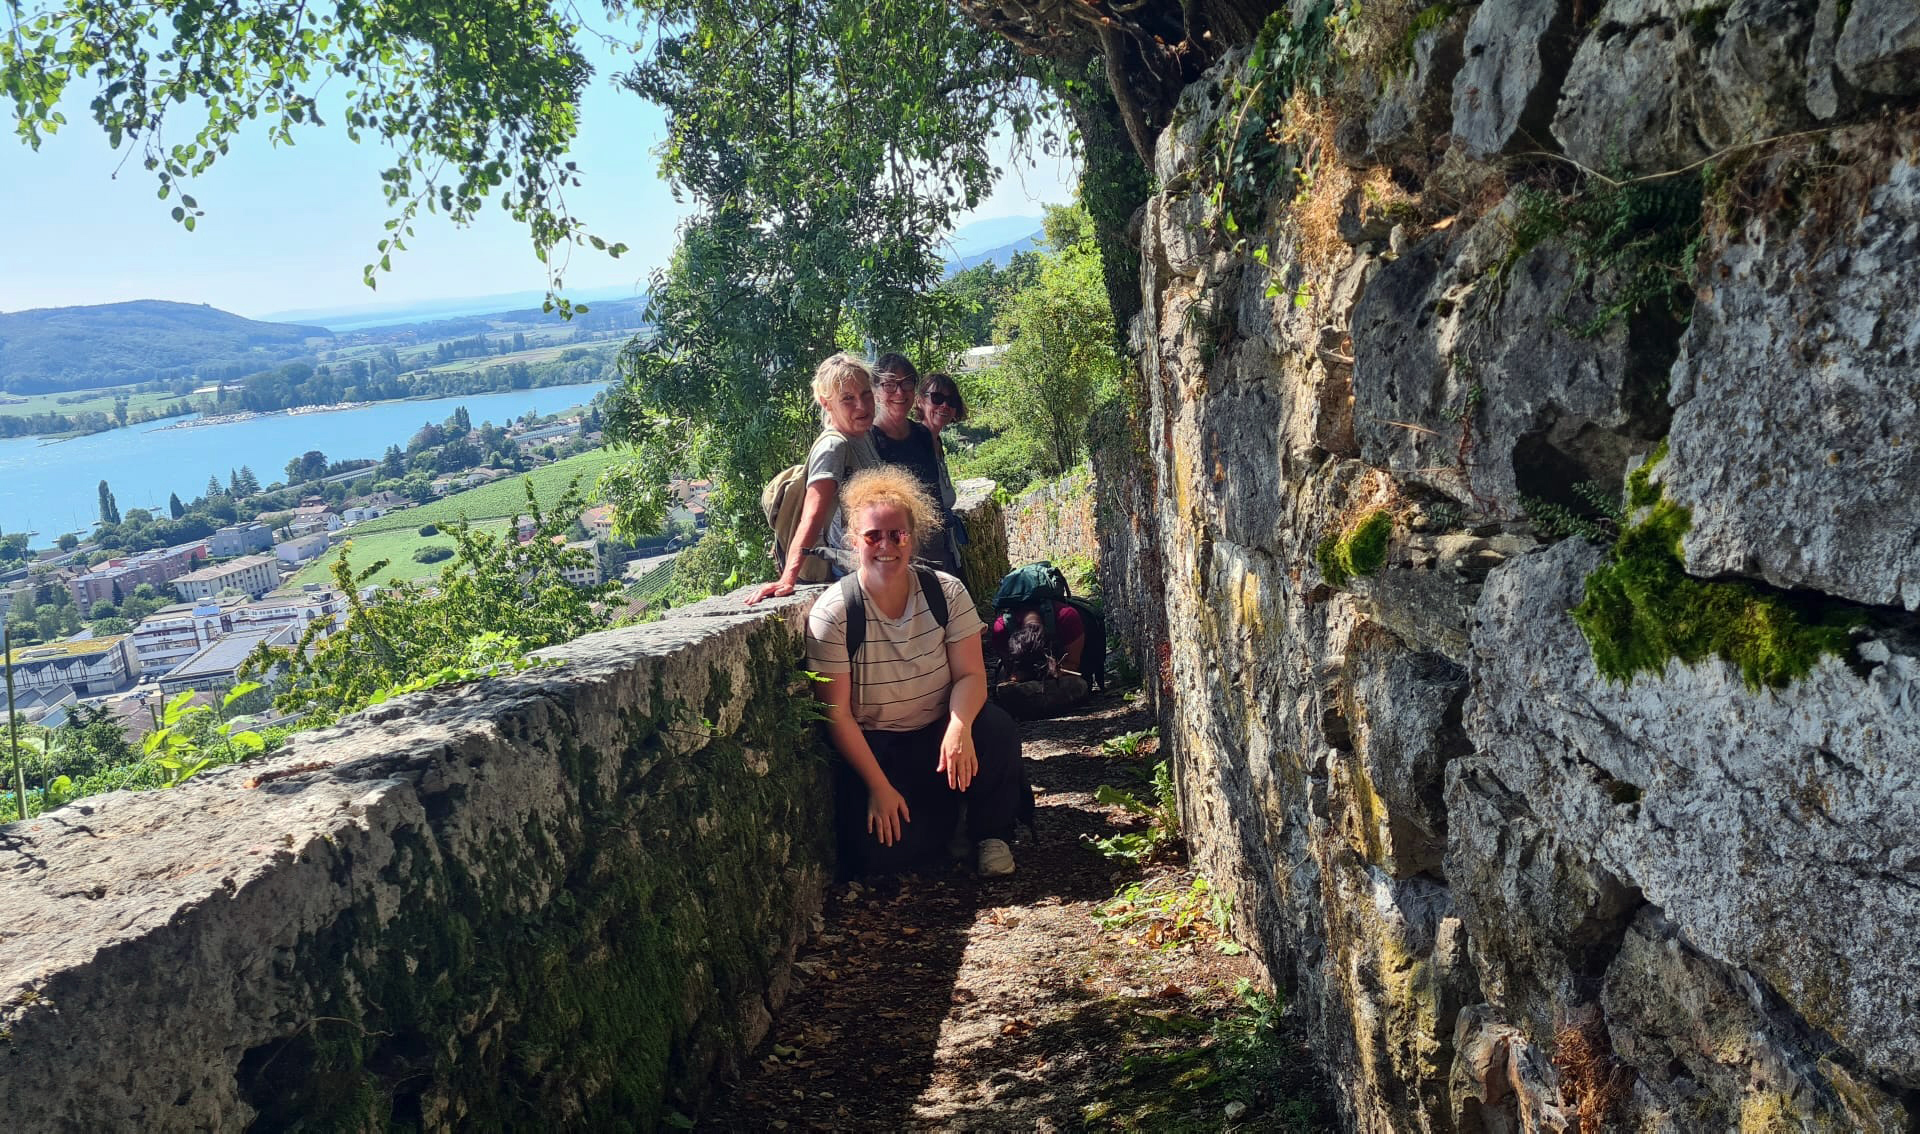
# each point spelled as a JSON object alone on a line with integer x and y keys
{"x": 1642, "y": 608}
{"x": 1361, "y": 551}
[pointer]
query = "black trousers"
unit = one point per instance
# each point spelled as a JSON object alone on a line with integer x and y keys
{"x": 996, "y": 799}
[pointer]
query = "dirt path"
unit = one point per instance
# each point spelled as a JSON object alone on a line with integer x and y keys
{"x": 956, "y": 1004}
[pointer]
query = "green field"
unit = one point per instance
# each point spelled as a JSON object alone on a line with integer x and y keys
{"x": 397, "y": 547}
{"x": 502, "y": 498}
{"x": 94, "y": 400}
{"x": 396, "y": 536}
{"x": 530, "y": 355}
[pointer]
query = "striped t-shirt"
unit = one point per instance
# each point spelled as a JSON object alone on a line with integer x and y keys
{"x": 904, "y": 676}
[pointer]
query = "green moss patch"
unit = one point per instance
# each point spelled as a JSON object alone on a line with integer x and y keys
{"x": 1642, "y": 608}
{"x": 1360, "y": 551}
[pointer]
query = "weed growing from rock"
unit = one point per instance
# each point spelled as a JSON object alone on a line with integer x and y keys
{"x": 1638, "y": 240}
{"x": 1642, "y": 608}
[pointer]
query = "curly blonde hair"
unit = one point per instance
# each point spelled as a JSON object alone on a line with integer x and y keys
{"x": 890, "y": 484}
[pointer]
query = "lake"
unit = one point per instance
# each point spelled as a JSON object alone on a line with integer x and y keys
{"x": 54, "y": 487}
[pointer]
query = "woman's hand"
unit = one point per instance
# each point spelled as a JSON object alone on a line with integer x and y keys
{"x": 957, "y": 758}
{"x": 886, "y": 814}
{"x": 779, "y": 588}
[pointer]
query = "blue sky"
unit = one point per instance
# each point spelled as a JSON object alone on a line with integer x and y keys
{"x": 291, "y": 227}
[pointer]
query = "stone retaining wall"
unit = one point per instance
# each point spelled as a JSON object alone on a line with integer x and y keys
{"x": 560, "y": 899}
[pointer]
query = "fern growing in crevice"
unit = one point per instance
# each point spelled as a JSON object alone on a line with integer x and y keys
{"x": 1641, "y": 237}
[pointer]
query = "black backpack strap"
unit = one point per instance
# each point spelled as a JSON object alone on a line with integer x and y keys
{"x": 856, "y": 603}
{"x": 935, "y": 593}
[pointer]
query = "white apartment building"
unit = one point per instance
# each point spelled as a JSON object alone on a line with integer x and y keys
{"x": 253, "y": 574}
{"x": 298, "y": 610}
{"x": 301, "y": 548}
{"x": 590, "y": 574}
{"x": 175, "y": 633}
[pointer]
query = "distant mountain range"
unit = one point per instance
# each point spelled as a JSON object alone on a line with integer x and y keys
{"x": 54, "y": 349}
{"x": 59, "y": 349}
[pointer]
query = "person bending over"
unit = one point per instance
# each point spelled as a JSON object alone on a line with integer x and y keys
{"x": 908, "y": 713}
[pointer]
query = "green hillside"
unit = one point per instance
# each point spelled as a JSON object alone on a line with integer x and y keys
{"x": 396, "y": 536}
{"x": 85, "y": 348}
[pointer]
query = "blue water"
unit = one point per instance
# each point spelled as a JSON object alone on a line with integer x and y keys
{"x": 53, "y": 487}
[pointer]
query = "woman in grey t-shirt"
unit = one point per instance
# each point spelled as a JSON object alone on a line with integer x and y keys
{"x": 843, "y": 385}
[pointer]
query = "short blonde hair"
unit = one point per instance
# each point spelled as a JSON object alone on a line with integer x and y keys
{"x": 839, "y": 372}
{"x": 890, "y": 484}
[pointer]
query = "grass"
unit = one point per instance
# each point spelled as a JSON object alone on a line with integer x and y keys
{"x": 502, "y": 498}
{"x": 396, "y": 536}
{"x": 96, "y": 401}
{"x": 530, "y": 355}
{"x": 395, "y": 546}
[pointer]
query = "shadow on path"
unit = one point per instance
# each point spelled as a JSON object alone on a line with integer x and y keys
{"x": 952, "y": 1003}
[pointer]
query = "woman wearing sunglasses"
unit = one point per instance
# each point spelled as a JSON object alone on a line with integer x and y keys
{"x": 904, "y": 442}
{"x": 908, "y": 712}
{"x": 844, "y": 388}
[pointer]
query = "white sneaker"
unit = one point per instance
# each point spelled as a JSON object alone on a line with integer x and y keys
{"x": 996, "y": 860}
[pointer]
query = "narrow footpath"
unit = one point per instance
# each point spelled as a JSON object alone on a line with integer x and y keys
{"x": 1085, "y": 992}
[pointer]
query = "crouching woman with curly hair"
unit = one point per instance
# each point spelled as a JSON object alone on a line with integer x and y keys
{"x": 908, "y": 713}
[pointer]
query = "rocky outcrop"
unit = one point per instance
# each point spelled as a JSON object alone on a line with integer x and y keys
{"x": 1507, "y": 890}
{"x": 563, "y": 897}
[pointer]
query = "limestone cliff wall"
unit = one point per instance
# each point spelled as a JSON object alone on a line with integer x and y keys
{"x": 562, "y": 898}
{"x": 1399, "y": 346}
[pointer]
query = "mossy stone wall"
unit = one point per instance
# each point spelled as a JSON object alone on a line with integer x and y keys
{"x": 566, "y": 898}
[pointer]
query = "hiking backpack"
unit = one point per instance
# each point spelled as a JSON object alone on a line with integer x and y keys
{"x": 1041, "y": 585}
{"x": 782, "y": 500}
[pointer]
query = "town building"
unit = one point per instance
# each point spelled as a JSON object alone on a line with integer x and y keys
{"x": 309, "y": 517}
{"x": 375, "y": 506}
{"x": 546, "y": 434}
{"x": 175, "y": 633}
{"x": 217, "y": 666}
{"x": 298, "y": 609}
{"x": 253, "y": 574}
{"x": 88, "y": 666}
{"x": 115, "y": 579}
{"x": 301, "y": 548}
{"x": 239, "y": 539}
{"x": 590, "y": 573}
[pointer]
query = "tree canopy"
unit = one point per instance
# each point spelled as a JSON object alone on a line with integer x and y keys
{"x": 828, "y": 146}
{"x": 474, "y": 97}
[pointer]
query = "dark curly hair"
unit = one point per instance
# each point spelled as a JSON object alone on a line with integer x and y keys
{"x": 1027, "y": 653}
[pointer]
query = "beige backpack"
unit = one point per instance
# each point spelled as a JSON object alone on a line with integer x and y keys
{"x": 782, "y": 500}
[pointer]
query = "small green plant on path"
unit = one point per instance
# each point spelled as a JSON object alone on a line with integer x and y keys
{"x": 1162, "y": 815}
{"x": 1642, "y": 609}
{"x": 1129, "y": 745}
{"x": 1165, "y": 918}
{"x": 1362, "y": 550}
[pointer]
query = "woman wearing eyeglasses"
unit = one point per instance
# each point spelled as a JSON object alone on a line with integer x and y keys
{"x": 844, "y": 388}
{"x": 908, "y": 712}
{"x": 904, "y": 442}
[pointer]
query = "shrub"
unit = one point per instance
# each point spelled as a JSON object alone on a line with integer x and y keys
{"x": 432, "y": 554}
{"x": 429, "y": 529}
